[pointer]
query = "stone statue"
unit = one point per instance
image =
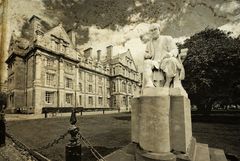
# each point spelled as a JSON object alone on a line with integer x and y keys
{"x": 174, "y": 70}
{"x": 161, "y": 60}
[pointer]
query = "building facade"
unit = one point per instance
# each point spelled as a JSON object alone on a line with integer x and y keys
{"x": 45, "y": 69}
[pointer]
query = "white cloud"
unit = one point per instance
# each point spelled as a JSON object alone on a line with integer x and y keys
{"x": 124, "y": 38}
{"x": 228, "y": 7}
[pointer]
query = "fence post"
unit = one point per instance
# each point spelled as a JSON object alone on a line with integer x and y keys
{"x": 2, "y": 130}
{"x": 73, "y": 148}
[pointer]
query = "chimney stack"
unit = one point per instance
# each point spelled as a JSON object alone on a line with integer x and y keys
{"x": 88, "y": 52}
{"x": 98, "y": 55}
{"x": 109, "y": 52}
{"x": 36, "y": 26}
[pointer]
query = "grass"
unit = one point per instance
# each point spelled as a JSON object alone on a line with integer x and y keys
{"x": 110, "y": 132}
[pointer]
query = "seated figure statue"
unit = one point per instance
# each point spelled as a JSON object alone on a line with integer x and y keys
{"x": 174, "y": 70}
{"x": 162, "y": 64}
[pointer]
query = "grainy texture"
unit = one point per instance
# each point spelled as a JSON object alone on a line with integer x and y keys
{"x": 109, "y": 132}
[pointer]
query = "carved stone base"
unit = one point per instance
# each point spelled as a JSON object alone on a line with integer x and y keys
{"x": 200, "y": 152}
{"x": 142, "y": 155}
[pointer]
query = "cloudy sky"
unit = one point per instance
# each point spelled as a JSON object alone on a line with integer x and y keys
{"x": 99, "y": 23}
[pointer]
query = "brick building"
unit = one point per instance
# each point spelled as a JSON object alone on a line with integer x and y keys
{"x": 45, "y": 69}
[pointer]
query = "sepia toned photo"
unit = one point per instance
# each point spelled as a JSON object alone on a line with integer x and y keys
{"x": 119, "y": 80}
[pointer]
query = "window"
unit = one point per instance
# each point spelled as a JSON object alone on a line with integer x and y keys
{"x": 69, "y": 98}
{"x": 69, "y": 67}
{"x": 69, "y": 83}
{"x": 80, "y": 87}
{"x": 90, "y": 77}
{"x": 50, "y": 79}
{"x": 64, "y": 48}
{"x": 108, "y": 91}
{"x": 100, "y": 100}
{"x": 129, "y": 88}
{"x": 58, "y": 46}
{"x": 124, "y": 100}
{"x": 11, "y": 98}
{"x": 114, "y": 101}
{"x": 123, "y": 87}
{"x": 10, "y": 68}
{"x": 108, "y": 83}
{"x": 11, "y": 80}
{"x": 90, "y": 100}
{"x": 100, "y": 80}
{"x": 113, "y": 71}
{"x": 80, "y": 75}
{"x": 134, "y": 87}
{"x": 50, "y": 62}
{"x": 108, "y": 101}
{"x": 49, "y": 97}
{"x": 80, "y": 100}
{"x": 53, "y": 45}
{"x": 90, "y": 88}
{"x": 100, "y": 91}
{"x": 113, "y": 87}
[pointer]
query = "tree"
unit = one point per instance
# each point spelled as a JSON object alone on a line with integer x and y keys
{"x": 212, "y": 69}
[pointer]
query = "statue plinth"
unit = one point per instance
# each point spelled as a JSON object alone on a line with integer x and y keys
{"x": 162, "y": 129}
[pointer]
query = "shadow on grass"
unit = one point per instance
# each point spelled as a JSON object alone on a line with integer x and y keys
{"x": 88, "y": 156}
{"x": 126, "y": 118}
{"x": 222, "y": 119}
{"x": 231, "y": 119}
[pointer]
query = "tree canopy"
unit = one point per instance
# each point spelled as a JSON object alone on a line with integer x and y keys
{"x": 212, "y": 68}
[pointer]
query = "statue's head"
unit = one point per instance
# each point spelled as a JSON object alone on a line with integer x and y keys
{"x": 154, "y": 30}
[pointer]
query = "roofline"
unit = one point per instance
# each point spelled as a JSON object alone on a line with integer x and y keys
{"x": 34, "y": 16}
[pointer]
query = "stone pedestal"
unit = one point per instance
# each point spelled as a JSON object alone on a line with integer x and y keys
{"x": 150, "y": 112}
{"x": 135, "y": 115}
{"x": 162, "y": 130}
{"x": 181, "y": 126}
{"x": 154, "y": 117}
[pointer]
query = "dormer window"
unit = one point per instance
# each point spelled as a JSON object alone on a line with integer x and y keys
{"x": 64, "y": 48}
{"x": 58, "y": 46}
{"x": 53, "y": 45}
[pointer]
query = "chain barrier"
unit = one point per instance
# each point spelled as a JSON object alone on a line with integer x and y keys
{"x": 54, "y": 142}
{"x": 95, "y": 153}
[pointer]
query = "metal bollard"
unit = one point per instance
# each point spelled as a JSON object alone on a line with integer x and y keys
{"x": 2, "y": 130}
{"x": 73, "y": 148}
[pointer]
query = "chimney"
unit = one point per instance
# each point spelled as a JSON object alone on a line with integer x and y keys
{"x": 109, "y": 52}
{"x": 88, "y": 52}
{"x": 98, "y": 55}
{"x": 36, "y": 26}
{"x": 72, "y": 35}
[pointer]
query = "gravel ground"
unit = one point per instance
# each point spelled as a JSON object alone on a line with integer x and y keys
{"x": 10, "y": 152}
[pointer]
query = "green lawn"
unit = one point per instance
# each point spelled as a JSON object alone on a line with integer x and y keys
{"x": 110, "y": 132}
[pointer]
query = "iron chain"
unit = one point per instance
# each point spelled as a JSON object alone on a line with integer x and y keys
{"x": 54, "y": 142}
{"x": 95, "y": 153}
